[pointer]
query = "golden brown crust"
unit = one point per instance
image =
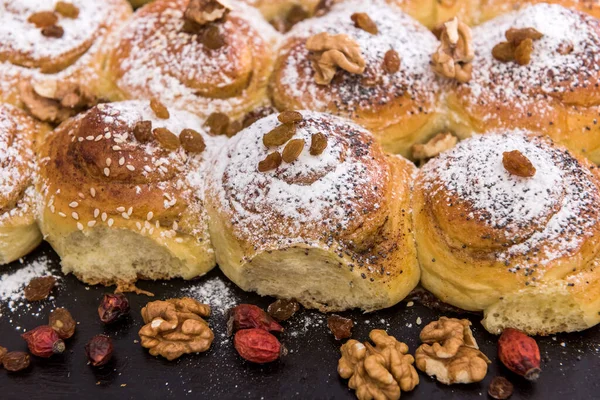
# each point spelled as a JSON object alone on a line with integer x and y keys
{"x": 76, "y": 58}
{"x": 556, "y": 93}
{"x": 400, "y": 108}
{"x": 156, "y": 56}
{"x": 97, "y": 175}
{"x": 485, "y": 235}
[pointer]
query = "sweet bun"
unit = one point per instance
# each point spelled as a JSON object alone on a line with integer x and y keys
{"x": 432, "y": 13}
{"x": 556, "y": 93}
{"x": 332, "y": 230}
{"x": 19, "y": 233}
{"x": 52, "y": 57}
{"x": 508, "y": 223}
{"x": 122, "y": 199}
{"x": 398, "y": 103}
{"x": 489, "y": 9}
{"x": 275, "y": 9}
{"x": 220, "y": 66}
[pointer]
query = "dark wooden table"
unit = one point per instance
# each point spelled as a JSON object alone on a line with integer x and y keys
{"x": 570, "y": 362}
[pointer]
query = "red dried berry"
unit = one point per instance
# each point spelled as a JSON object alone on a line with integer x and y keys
{"x": 257, "y": 346}
{"x": 99, "y": 350}
{"x": 245, "y": 316}
{"x": 113, "y": 307}
{"x": 519, "y": 353}
{"x": 43, "y": 341}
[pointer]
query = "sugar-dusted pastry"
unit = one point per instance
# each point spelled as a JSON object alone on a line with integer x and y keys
{"x": 122, "y": 193}
{"x": 509, "y": 224}
{"x": 308, "y": 206}
{"x": 52, "y": 54}
{"x": 535, "y": 69}
{"x": 489, "y": 9}
{"x": 19, "y": 233}
{"x": 201, "y": 56}
{"x": 432, "y": 13}
{"x": 285, "y": 12}
{"x": 365, "y": 60}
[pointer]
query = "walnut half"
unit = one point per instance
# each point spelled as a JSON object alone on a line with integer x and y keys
{"x": 332, "y": 51}
{"x": 378, "y": 372}
{"x": 453, "y": 57}
{"x": 438, "y": 144}
{"x": 450, "y": 352}
{"x": 175, "y": 327}
{"x": 202, "y": 12}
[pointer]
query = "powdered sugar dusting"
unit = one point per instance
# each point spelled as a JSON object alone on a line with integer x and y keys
{"x": 398, "y": 31}
{"x": 215, "y": 292}
{"x": 561, "y": 200}
{"x": 550, "y": 73}
{"x": 312, "y": 196}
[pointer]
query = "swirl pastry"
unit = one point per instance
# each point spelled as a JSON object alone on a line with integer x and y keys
{"x": 121, "y": 189}
{"x": 383, "y": 79}
{"x": 545, "y": 83}
{"x": 320, "y": 215}
{"x": 509, "y": 224}
{"x": 194, "y": 59}
{"x": 52, "y": 53}
{"x": 19, "y": 233}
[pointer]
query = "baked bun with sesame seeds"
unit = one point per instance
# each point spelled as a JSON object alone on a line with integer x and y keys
{"x": 19, "y": 233}
{"x": 122, "y": 193}
{"x": 307, "y": 206}
{"x": 508, "y": 223}
{"x": 52, "y": 54}
{"x": 386, "y": 83}
{"x": 556, "y": 92}
{"x": 201, "y": 56}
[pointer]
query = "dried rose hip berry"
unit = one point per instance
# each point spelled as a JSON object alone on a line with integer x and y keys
{"x": 257, "y": 346}
{"x": 340, "y": 327}
{"x": 43, "y": 341}
{"x": 246, "y": 316}
{"x": 113, "y": 307}
{"x": 16, "y": 361}
{"x": 519, "y": 353}
{"x": 283, "y": 309}
{"x": 99, "y": 350}
{"x": 500, "y": 388}
{"x": 39, "y": 288}
{"x": 63, "y": 323}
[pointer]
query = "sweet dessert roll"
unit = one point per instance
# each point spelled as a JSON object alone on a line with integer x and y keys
{"x": 19, "y": 233}
{"x": 122, "y": 193}
{"x": 365, "y": 60}
{"x": 489, "y": 9}
{"x": 306, "y": 205}
{"x": 201, "y": 56}
{"x": 508, "y": 223}
{"x": 283, "y": 14}
{"x": 52, "y": 54}
{"x": 535, "y": 69}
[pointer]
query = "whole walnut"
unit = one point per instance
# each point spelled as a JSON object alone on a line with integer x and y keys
{"x": 175, "y": 327}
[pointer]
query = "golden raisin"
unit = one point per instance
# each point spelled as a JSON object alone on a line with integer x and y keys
{"x": 233, "y": 128}
{"x": 211, "y": 37}
{"x": 272, "y": 161}
{"x": 53, "y": 31}
{"x": 62, "y": 322}
{"x": 67, "y": 10}
{"x": 166, "y": 138}
{"x": 39, "y": 288}
{"x": 159, "y": 109}
{"x": 192, "y": 141}
{"x": 292, "y": 150}
{"x": 391, "y": 62}
{"x": 43, "y": 19}
{"x": 143, "y": 131}
{"x": 364, "y": 22}
{"x": 217, "y": 123}
{"x": 318, "y": 143}
{"x": 504, "y": 51}
{"x": 516, "y": 36}
{"x": 279, "y": 135}
{"x": 523, "y": 52}
{"x": 517, "y": 164}
{"x": 289, "y": 117}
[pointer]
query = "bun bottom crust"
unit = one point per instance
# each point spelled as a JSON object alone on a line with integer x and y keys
{"x": 111, "y": 256}
{"x": 314, "y": 274}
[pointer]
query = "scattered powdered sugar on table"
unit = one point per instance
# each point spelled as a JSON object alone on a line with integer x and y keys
{"x": 12, "y": 285}
{"x": 215, "y": 292}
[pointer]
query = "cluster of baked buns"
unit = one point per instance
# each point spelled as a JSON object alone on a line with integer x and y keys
{"x": 159, "y": 143}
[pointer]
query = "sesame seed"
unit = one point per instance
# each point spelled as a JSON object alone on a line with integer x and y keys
{"x": 108, "y": 162}
{"x": 62, "y": 214}
{"x": 149, "y": 216}
{"x": 106, "y": 171}
{"x": 89, "y": 138}
{"x": 93, "y": 192}
{"x": 121, "y": 209}
{"x": 131, "y": 167}
{"x": 98, "y": 138}
{"x": 179, "y": 240}
{"x": 110, "y": 222}
{"x": 124, "y": 215}
{"x": 80, "y": 226}
{"x": 96, "y": 213}
{"x": 81, "y": 195}
{"x": 104, "y": 216}
{"x": 91, "y": 223}
{"x": 116, "y": 148}
{"x": 130, "y": 211}
{"x": 121, "y": 160}
{"x": 138, "y": 225}
{"x": 75, "y": 215}
{"x": 73, "y": 204}
{"x": 175, "y": 225}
